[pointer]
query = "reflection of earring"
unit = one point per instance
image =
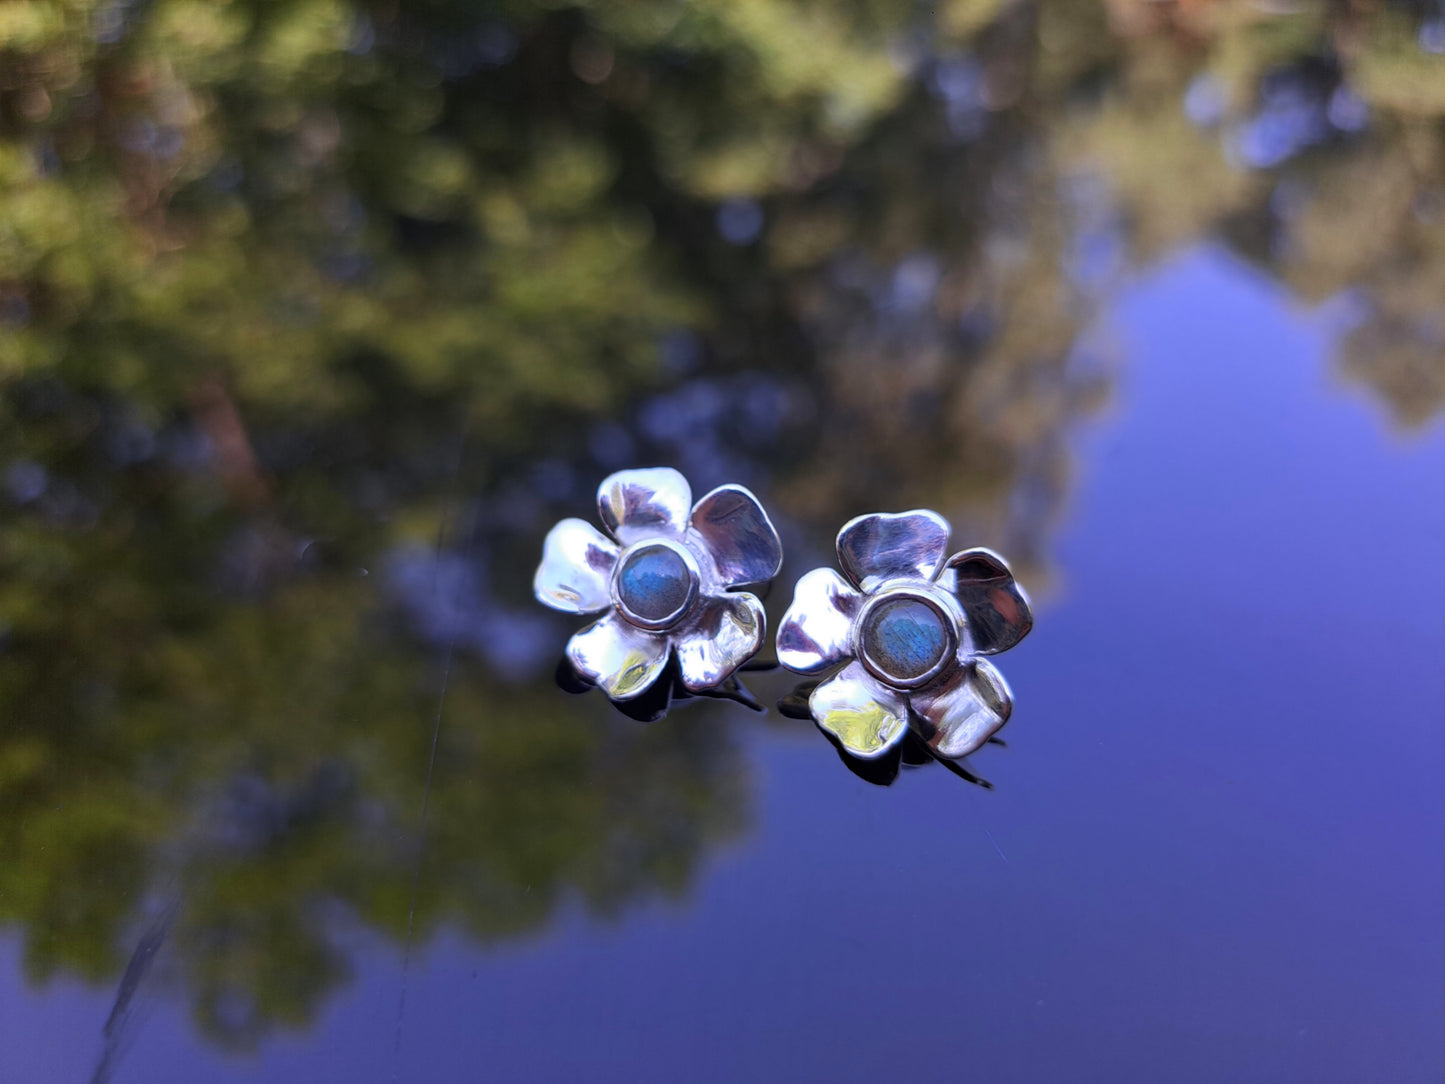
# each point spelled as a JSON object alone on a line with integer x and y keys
{"x": 912, "y": 627}
{"x": 668, "y": 582}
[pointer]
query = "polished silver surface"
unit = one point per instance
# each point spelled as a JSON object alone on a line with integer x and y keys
{"x": 731, "y": 526}
{"x": 620, "y": 658}
{"x": 912, "y": 637}
{"x": 817, "y": 631}
{"x": 996, "y": 607}
{"x": 576, "y": 570}
{"x": 866, "y": 716}
{"x": 724, "y": 632}
{"x": 667, "y": 587}
{"x": 637, "y": 504}
{"x": 959, "y": 714}
{"x": 885, "y": 546}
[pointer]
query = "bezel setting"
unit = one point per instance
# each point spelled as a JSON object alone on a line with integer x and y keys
{"x": 950, "y": 619}
{"x": 694, "y": 574}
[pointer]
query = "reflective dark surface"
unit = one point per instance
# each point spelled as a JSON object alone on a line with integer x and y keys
{"x": 315, "y": 316}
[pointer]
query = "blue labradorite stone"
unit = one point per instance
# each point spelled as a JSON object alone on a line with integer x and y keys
{"x": 654, "y": 583}
{"x": 904, "y": 638}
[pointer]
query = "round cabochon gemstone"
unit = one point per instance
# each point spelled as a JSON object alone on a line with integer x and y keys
{"x": 654, "y": 583}
{"x": 905, "y": 638}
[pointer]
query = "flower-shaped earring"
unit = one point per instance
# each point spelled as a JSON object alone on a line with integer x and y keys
{"x": 669, "y": 582}
{"x": 912, "y": 627}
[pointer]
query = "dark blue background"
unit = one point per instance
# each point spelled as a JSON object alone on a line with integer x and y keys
{"x": 1215, "y": 850}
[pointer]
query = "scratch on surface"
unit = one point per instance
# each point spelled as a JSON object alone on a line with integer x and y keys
{"x": 986, "y": 832}
{"x": 117, "y": 1030}
{"x": 995, "y": 843}
{"x": 430, "y": 769}
{"x": 421, "y": 850}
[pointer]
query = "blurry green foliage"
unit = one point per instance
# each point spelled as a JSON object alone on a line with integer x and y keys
{"x": 286, "y": 283}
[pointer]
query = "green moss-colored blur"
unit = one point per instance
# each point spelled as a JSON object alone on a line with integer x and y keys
{"x": 295, "y": 291}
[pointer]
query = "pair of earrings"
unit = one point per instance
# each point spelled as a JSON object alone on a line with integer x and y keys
{"x": 906, "y": 630}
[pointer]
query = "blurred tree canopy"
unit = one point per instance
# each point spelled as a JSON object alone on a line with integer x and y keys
{"x": 292, "y": 289}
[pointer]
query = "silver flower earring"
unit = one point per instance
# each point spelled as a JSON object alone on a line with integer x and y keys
{"x": 668, "y": 579}
{"x": 911, "y": 627}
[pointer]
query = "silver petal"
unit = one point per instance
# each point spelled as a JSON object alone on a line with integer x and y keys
{"x": 885, "y": 546}
{"x": 958, "y": 716}
{"x": 868, "y": 718}
{"x": 638, "y": 503}
{"x": 576, "y": 568}
{"x": 996, "y": 607}
{"x": 723, "y": 632}
{"x": 736, "y": 532}
{"x": 816, "y": 630}
{"x": 623, "y": 659}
